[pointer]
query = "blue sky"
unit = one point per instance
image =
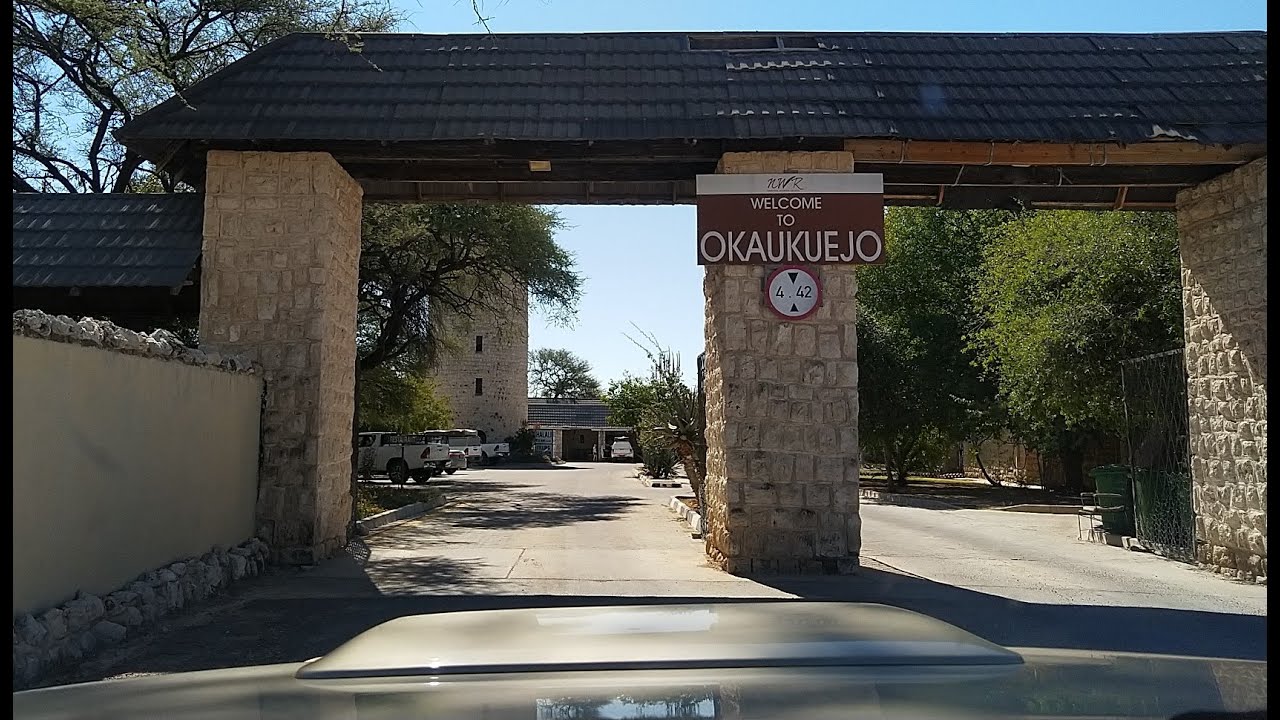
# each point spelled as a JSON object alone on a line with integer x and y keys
{"x": 639, "y": 261}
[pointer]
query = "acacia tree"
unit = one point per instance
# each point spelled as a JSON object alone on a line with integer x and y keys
{"x": 558, "y": 373}
{"x": 419, "y": 262}
{"x": 82, "y": 68}
{"x": 1068, "y": 295}
{"x": 920, "y": 388}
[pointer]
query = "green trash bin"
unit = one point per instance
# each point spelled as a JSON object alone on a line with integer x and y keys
{"x": 1111, "y": 482}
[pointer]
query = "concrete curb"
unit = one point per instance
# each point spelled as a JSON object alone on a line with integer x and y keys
{"x": 650, "y": 482}
{"x": 689, "y": 515}
{"x": 406, "y": 512}
{"x": 906, "y": 500}
{"x": 1121, "y": 541}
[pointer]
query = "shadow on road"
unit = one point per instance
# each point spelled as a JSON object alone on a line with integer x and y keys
{"x": 531, "y": 466}
{"x": 536, "y": 509}
{"x": 1013, "y": 623}
{"x": 273, "y": 630}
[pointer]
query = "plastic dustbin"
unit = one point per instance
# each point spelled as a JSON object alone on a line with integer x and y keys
{"x": 1112, "y": 482}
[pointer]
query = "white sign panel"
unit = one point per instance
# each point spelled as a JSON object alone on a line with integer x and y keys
{"x": 793, "y": 292}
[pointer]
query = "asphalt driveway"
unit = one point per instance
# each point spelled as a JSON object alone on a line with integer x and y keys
{"x": 592, "y": 534}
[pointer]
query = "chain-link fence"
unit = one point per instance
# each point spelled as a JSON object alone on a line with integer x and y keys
{"x": 1155, "y": 401}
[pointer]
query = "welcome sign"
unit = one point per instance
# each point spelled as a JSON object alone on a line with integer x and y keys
{"x": 820, "y": 219}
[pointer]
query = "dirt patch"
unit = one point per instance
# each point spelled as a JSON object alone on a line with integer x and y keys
{"x": 372, "y": 499}
{"x": 692, "y": 502}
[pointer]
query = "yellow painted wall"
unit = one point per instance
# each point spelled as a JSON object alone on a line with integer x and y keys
{"x": 122, "y": 464}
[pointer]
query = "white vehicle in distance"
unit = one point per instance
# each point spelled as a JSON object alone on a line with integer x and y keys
{"x": 404, "y": 457}
{"x": 620, "y": 449}
{"x": 457, "y": 455}
{"x": 472, "y": 442}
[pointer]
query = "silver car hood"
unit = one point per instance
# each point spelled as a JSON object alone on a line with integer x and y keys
{"x": 740, "y": 660}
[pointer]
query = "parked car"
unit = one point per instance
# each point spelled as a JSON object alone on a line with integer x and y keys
{"x": 472, "y": 442}
{"x": 787, "y": 660}
{"x": 620, "y": 449}
{"x": 457, "y": 461}
{"x": 404, "y": 457}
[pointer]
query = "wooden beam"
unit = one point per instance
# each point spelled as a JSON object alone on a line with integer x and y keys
{"x": 1031, "y": 154}
{"x": 1120, "y": 196}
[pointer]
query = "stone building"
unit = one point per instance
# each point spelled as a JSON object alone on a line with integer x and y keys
{"x": 484, "y": 373}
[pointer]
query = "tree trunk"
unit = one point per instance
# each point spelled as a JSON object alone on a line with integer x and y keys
{"x": 1072, "y": 458}
{"x": 977, "y": 455}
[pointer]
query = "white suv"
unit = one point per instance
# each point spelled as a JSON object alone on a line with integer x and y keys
{"x": 621, "y": 449}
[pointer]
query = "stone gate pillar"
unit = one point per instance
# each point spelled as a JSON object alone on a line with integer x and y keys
{"x": 1222, "y": 233}
{"x": 782, "y": 411}
{"x": 278, "y": 283}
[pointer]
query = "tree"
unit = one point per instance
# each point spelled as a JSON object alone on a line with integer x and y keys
{"x": 920, "y": 388}
{"x": 391, "y": 399}
{"x": 668, "y": 416}
{"x": 82, "y": 68}
{"x": 456, "y": 259}
{"x": 560, "y": 374}
{"x": 1067, "y": 296}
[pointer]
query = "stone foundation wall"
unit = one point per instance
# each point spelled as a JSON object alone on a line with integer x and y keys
{"x": 59, "y": 637}
{"x": 1222, "y": 226}
{"x": 782, "y": 412}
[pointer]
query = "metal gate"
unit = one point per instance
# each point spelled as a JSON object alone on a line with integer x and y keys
{"x": 1156, "y": 418}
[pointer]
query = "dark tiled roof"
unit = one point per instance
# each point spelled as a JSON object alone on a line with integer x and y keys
{"x": 1206, "y": 87}
{"x": 84, "y": 240}
{"x": 569, "y": 413}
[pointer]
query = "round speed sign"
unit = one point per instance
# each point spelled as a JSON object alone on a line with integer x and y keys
{"x": 793, "y": 292}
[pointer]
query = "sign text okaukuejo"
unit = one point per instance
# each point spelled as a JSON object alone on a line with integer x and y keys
{"x": 830, "y": 218}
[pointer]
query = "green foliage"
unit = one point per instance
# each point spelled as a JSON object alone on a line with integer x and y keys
{"x": 458, "y": 259}
{"x": 397, "y": 401}
{"x": 919, "y": 386}
{"x": 1067, "y": 296}
{"x": 558, "y": 373}
{"x": 658, "y": 459}
{"x": 628, "y": 399}
{"x": 82, "y": 68}
{"x": 522, "y": 442}
{"x": 667, "y": 414}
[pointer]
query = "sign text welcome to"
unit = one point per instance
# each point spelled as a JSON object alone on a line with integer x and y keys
{"x": 835, "y": 218}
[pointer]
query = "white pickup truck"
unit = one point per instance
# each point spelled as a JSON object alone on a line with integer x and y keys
{"x": 404, "y": 457}
{"x": 472, "y": 443}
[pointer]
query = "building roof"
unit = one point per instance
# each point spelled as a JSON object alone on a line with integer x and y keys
{"x": 105, "y": 240}
{"x": 1208, "y": 87}
{"x": 569, "y": 413}
{"x": 634, "y": 117}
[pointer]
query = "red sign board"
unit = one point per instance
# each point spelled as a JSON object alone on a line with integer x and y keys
{"x": 823, "y": 219}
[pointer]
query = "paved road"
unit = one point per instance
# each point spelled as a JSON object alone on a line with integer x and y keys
{"x": 592, "y": 534}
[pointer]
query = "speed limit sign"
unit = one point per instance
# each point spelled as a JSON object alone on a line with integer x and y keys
{"x": 793, "y": 292}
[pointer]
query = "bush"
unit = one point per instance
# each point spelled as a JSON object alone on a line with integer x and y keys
{"x": 660, "y": 459}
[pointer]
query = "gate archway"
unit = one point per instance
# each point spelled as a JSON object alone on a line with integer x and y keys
{"x": 288, "y": 141}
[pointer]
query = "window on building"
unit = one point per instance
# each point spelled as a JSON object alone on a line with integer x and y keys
{"x": 479, "y": 343}
{"x": 479, "y": 386}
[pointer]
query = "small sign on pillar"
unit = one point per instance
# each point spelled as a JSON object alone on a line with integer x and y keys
{"x": 793, "y": 292}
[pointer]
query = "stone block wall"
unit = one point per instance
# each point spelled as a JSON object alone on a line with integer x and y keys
{"x": 782, "y": 412}
{"x": 59, "y": 637}
{"x": 502, "y": 365}
{"x": 279, "y": 269}
{"x": 1222, "y": 227}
